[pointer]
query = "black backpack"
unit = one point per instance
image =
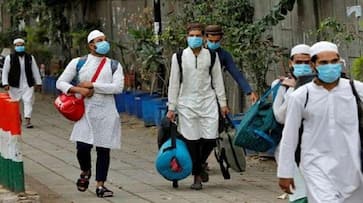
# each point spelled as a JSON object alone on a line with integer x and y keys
{"x": 179, "y": 54}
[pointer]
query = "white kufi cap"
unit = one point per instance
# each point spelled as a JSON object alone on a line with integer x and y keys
{"x": 300, "y": 49}
{"x": 323, "y": 46}
{"x": 94, "y": 34}
{"x": 18, "y": 40}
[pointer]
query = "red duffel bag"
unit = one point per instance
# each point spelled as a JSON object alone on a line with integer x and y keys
{"x": 70, "y": 106}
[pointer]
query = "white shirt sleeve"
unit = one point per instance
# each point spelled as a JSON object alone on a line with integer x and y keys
{"x": 290, "y": 136}
{"x": 6, "y": 69}
{"x": 279, "y": 105}
{"x": 64, "y": 80}
{"x": 36, "y": 73}
{"x": 111, "y": 88}
{"x": 218, "y": 84}
{"x": 174, "y": 84}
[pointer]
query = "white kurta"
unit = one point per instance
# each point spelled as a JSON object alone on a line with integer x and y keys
{"x": 330, "y": 148}
{"x": 280, "y": 103}
{"x": 195, "y": 99}
{"x": 23, "y": 92}
{"x": 279, "y": 108}
{"x": 100, "y": 124}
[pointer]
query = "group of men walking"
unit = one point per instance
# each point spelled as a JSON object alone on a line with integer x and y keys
{"x": 320, "y": 149}
{"x": 319, "y": 156}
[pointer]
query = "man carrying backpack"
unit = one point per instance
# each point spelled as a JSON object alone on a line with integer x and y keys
{"x": 100, "y": 125}
{"x": 193, "y": 91}
{"x": 330, "y": 141}
{"x": 299, "y": 64}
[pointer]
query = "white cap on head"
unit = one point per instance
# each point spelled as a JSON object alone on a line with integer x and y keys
{"x": 94, "y": 34}
{"x": 18, "y": 40}
{"x": 323, "y": 46}
{"x": 300, "y": 49}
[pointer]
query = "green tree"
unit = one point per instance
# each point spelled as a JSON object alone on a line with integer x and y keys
{"x": 245, "y": 38}
{"x": 357, "y": 69}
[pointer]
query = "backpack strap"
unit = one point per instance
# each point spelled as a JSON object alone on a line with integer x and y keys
{"x": 114, "y": 65}
{"x": 360, "y": 111}
{"x": 212, "y": 60}
{"x": 301, "y": 130}
{"x": 81, "y": 61}
{"x": 179, "y": 55}
{"x": 223, "y": 162}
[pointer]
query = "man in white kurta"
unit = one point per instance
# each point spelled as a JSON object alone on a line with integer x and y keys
{"x": 299, "y": 66}
{"x": 195, "y": 99}
{"x": 100, "y": 126}
{"x": 20, "y": 76}
{"x": 330, "y": 147}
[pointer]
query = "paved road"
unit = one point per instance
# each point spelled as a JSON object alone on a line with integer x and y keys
{"x": 51, "y": 168}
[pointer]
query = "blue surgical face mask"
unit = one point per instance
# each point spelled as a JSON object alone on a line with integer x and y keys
{"x": 102, "y": 47}
{"x": 195, "y": 42}
{"x": 19, "y": 48}
{"x": 329, "y": 73}
{"x": 301, "y": 69}
{"x": 213, "y": 45}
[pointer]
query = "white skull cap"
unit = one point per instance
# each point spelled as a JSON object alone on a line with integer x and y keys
{"x": 323, "y": 46}
{"x": 94, "y": 34}
{"x": 300, "y": 49}
{"x": 18, "y": 40}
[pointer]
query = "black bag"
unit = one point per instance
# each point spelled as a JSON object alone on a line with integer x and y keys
{"x": 227, "y": 153}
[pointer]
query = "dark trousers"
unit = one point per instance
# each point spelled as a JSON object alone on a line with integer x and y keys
{"x": 102, "y": 163}
{"x": 199, "y": 151}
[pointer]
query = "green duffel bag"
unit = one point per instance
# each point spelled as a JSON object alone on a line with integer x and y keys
{"x": 259, "y": 130}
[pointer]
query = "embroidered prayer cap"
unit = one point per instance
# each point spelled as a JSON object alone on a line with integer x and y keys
{"x": 18, "y": 40}
{"x": 214, "y": 30}
{"x": 323, "y": 46}
{"x": 300, "y": 49}
{"x": 94, "y": 34}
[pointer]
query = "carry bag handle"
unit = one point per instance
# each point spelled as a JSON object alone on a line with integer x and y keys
{"x": 271, "y": 90}
{"x": 173, "y": 132}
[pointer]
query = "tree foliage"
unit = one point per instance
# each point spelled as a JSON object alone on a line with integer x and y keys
{"x": 47, "y": 26}
{"x": 357, "y": 69}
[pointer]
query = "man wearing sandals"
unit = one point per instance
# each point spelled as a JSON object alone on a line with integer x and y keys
{"x": 100, "y": 124}
{"x": 191, "y": 94}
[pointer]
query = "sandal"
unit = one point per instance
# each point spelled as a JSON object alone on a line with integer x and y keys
{"x": 102, "y": 191}
{"x": 83, "y": 181}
